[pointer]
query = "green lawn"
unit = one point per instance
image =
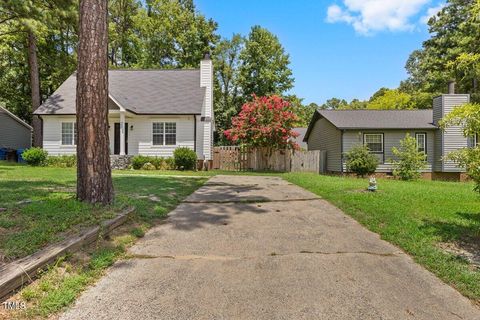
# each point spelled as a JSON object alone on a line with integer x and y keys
{"x": 41, "y": 207}
{"x": 416, "y": 216}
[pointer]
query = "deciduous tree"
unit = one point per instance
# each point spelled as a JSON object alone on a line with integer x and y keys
{"x": 265, "y": 65}
{"x": 265, "y": 122}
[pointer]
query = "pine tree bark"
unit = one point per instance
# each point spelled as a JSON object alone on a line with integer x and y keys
{"x": 34, "y": 87}
{"x": 94, "y": 178}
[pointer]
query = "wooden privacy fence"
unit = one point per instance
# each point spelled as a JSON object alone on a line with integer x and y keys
{"x": 235, "y": 158}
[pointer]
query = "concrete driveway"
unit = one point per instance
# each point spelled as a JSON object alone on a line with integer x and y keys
{"x": 245, "y": 247}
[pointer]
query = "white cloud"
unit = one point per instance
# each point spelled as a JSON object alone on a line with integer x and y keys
{"x": 431, "y": 12}
{"x": 370, "y": 16}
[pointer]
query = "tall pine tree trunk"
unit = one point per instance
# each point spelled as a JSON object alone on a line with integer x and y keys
{"x": 94, "y": 178}
{"x": 34, "y": 87}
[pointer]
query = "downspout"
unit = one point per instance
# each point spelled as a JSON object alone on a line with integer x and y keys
{"x": 195, "y": 133}
{"x": 341, "y": 150}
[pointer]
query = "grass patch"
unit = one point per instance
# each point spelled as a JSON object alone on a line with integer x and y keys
{"x": 416, "y": 216}
{"x": 35, "y": 197}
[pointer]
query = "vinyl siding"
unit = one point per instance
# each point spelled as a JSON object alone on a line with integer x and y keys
{"x": 142, "y": 136}
{"x": 52, "y": 135}
{"x": 139, "y": 138}
{"x": 391, "y": 139}
{"x": 13, "y": 134}
{"x": 325, "y": 136}
{"x": 438, "y": 150}
{"x": 206, "y": 128}
{"x": 453, "y": 138}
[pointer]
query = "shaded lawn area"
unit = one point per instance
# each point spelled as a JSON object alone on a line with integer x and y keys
{"x": 417, "y": 216}
{"x": 41, "y": 207}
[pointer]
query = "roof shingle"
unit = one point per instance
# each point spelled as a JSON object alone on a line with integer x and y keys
{"x": 139, "y": 91}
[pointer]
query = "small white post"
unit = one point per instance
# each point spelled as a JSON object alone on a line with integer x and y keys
{"x": 122, "y": 133}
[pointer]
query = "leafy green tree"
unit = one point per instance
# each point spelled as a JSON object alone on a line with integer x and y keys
{"x": 227, "y": 90}
{"x": 123, "y": 34}
{"x": 303, "y": 112}
{"x": 356, "y": 104}
{"x": 409, "y": 161}
{"x": 265, "y": 65}
{"x": 174, "y": 34}
{"x": 467, "y": 116}
{"x": 334, "y": 103}
{"x": 391, "y": 99}
{"x": 450, "y": 53}
{"x": 379, "y": 93}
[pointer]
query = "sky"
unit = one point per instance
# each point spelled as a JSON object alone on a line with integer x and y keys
{"x": 338, "y": 48}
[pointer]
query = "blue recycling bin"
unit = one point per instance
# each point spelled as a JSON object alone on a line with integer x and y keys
{"x": 3, "y": 154}
{"x": 19, "y": 156}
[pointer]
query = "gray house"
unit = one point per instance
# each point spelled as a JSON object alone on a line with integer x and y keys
{"x": 337, "y": 131}
{"x": 14, "y": 132}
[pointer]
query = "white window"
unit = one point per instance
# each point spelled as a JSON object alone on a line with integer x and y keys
{"x": 421, "y": 142}
{"x": 374, "y": 142}
{"x": 164, "y": 133}
{"x": 69, "y": 133}
{"x": 158, "y": 133}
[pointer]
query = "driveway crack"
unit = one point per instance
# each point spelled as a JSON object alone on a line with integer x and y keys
{"x": 273, "y": 254}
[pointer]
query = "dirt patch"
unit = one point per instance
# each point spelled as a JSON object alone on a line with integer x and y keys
{"x": 468, "y": 250}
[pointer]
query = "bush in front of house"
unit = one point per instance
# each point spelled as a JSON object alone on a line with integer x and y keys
{"x": 139, "y": 161}
{"x": 185, "y": 159}
{"x": 409, "y": 160}
{"x": 160, "y": 163}
{"x": 360, "y": 161}
{"x": 35, "y": 156}
{"x": 64, "y": 161}
{"x": 148, "y": 166}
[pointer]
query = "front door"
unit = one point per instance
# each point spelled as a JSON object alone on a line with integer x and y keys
{"x": 116, "y": 140}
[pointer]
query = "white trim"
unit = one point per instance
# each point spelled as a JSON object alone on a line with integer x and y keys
{"x": 424, "y": 134}
{"x": 374, "y": 134}
{"x": 74, "y": 134}
{"x": 16, "y": 118}
{"x": 164, "y": 134}
{"x": 117, "y": 103}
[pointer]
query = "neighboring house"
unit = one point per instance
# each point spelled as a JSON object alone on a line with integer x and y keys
{"x": 299, "y": 140}
{"x": 151, "y": 112}
{"x": 14, "y": 132}
{"x": 337, "y": 131}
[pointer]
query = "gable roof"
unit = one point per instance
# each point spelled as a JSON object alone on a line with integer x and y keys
{"x": 138, "y": 91}
{"x": 375, "y": 119}
{"x": 14, "y": 117}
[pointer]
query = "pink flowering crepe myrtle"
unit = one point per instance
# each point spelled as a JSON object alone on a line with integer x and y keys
{"x": 265, "y": 122}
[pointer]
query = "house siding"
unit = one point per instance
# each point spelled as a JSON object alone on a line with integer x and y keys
{"x": 391, "y": 139}
{"x": 325, "y": 136}
{"x": 139, "y": 138}
{"x": 206, "y": 127}
{"x": 12, "y": 133}
{"x": 438, "y": 149}
{"x": 452, "y": 138}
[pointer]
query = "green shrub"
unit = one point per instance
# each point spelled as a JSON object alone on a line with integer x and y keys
{"x": 35, "y": 156}
{"x": 65, "y": 161}
{"x": 139, "y": 161}
{"x": 170, "y": 163}
{"x": 185, "y": 159}
{"x": 468, "y": 158}
{"x": 159, "y": 163}
{"x": 409, "y": 160}
{"x": 360, "y": 161}
{"x": 148, "y": 166}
